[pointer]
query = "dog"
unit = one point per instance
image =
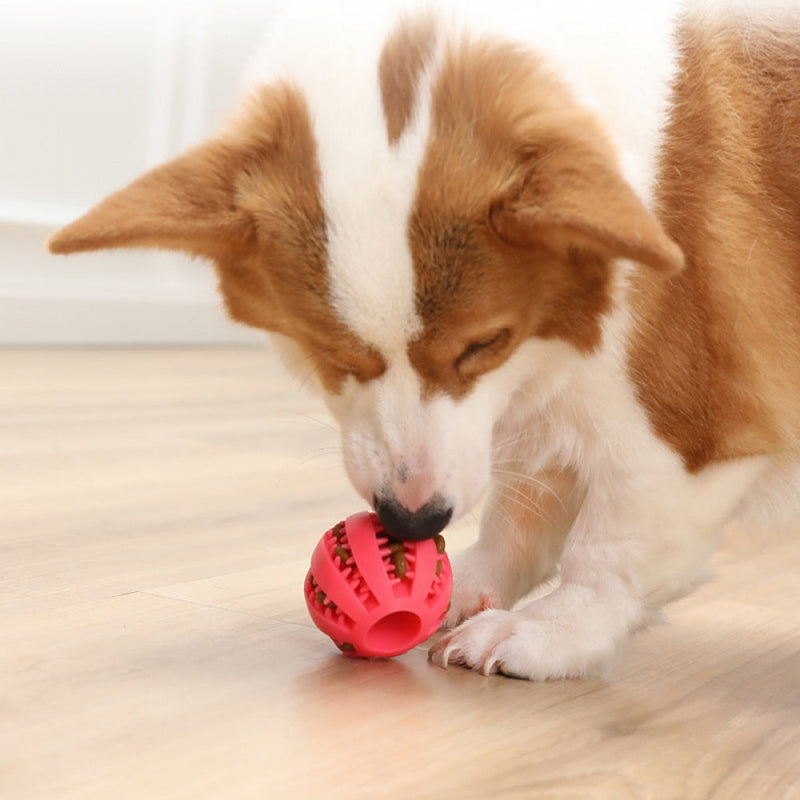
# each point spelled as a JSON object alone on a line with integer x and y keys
{"x": 544, "y": 255}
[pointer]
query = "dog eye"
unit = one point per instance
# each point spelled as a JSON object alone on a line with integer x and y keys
{"x": 489, "y": 345}
{"x": 368, "y": 366}
{"x": 345, "y": 369}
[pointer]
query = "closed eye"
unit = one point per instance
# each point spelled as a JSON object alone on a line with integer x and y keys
{"x": 368, "y": 367}
{"x": 358, "y": 362}
{"x": 473, "y": 354}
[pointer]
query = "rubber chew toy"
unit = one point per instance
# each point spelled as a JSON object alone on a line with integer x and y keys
{"x": 372, "y": 595}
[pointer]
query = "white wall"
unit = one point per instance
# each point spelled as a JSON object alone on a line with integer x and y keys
{"x": 91, "y": 95}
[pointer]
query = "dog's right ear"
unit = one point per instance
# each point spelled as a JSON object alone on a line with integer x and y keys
{"x": 210, "y": 200}
{"x": 185, "y": 204}
{"x": 249, "y": 200}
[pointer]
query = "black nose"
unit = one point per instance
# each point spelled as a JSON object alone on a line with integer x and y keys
{"x": 425, "y": 522}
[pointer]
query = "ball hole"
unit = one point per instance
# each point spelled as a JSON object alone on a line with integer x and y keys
{"x": 394, "y": 633}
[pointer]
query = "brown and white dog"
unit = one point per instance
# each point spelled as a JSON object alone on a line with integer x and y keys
{"x": 551, "y": 253}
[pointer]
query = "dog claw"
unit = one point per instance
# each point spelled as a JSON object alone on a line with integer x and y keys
{"x": 490, "y": 666}
{"x": 439, "y": 654}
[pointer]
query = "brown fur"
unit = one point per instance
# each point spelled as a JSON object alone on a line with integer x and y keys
{"x": 403, "y": 60}
{"x": 519, "y": 212}
{"x": 717, "y": 349}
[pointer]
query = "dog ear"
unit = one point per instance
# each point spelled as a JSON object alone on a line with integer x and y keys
{"x": 586, "y": 203}
{"x": 185, "y": 204}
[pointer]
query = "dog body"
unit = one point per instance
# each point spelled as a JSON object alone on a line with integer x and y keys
{"x": 552, "y": 255}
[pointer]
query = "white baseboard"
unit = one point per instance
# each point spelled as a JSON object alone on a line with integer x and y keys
{"x": 73, "y": 321}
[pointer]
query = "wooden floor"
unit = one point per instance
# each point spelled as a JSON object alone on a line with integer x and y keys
{"x": 157, "y": 514}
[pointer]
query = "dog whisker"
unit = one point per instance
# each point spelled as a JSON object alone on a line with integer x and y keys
{"x": 321, "y": 423}
{"x": 318, "y": 454}
{"x": 496, "y": 507}
{"x": 524, "y": 502}
{"x": 525, "y": 480}
{"x": 517, "y": 439}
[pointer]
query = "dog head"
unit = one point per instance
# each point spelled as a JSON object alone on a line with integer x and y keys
{"x": 429, "y": 226}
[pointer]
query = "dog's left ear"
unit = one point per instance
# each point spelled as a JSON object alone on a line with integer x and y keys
{"x": 586, "y": 203}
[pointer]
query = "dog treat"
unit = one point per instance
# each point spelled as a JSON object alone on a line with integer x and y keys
{"x": 338, "y": 530}
{"x": 398, "y": 559}
{"x": 373, "y": 595}
{"x": 343, "y": 553}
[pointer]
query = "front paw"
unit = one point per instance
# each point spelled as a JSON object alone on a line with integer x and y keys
{"x": 521, "y": 646}
{"x": 474, "y": 642}
{"x": 478, "y": 585}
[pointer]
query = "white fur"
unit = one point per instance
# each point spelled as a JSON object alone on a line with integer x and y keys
{"x": 635, "y": 527}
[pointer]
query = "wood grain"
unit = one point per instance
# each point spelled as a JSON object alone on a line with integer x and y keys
{"x": 157, "y": 512}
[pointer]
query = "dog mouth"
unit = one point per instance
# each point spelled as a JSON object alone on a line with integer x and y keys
{"x": 412, "y": 526}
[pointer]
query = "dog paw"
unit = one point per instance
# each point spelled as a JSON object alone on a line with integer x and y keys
{"x": 511, "y": 643}
{"x": 473, "y": 643}
{"x": 477, "y": 586}
{"x": 466, "y": 604}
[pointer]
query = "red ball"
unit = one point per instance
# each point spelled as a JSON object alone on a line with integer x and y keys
{"x": 375, "y": 596}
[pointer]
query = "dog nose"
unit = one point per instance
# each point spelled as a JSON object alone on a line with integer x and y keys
{"x": 414, "y": 526}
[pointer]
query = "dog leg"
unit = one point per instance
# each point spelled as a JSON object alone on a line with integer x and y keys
{"x": 523, "y": 530}
{"x": 628, "y": 552}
